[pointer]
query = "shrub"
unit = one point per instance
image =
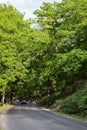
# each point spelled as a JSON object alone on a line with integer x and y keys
{"x": 77, "y": 103}
{"x": 47, "y": 101}
{"x": 70, "y": 105}
{"x": 83, "y": 103}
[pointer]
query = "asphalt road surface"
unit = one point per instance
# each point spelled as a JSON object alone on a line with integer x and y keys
{"x": 29, "y": 117}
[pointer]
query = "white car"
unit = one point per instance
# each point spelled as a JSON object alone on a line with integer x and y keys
{"x": 16, "y": 101}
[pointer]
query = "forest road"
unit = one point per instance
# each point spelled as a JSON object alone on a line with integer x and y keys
{"x": 30, "y": 117}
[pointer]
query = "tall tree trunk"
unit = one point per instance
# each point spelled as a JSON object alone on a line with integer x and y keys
{"x": 3, "y": 99}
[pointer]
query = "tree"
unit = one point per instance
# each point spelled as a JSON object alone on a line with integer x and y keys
{"x": 66, "y": 54}
{"x": 13, "y": 35}
{"x": 43, "y": 62}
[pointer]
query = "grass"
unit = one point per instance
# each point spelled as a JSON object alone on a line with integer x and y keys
{"x": 2, "y": 108}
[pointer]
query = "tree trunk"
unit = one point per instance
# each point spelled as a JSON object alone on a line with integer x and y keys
{"x": 3, "y": 99}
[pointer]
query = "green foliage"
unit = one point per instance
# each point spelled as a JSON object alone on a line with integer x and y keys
{"x": 70, "y": 105}
{"x": 64, "y": 60}
{"x": 43, "y": 63}
{"x": 12, "y": 38}
{"x": 83, "y": 104}
{"x": 77, "y": 103}
{"x": 47, "y": 101}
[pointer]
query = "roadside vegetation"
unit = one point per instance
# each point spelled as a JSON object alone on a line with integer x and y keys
{"x": 74, "y": 105}
{"x": 47, "y": 63}
{"x": 3, "y": 107}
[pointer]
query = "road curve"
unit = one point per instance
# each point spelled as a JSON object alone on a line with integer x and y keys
{"x": 29, "y": 117}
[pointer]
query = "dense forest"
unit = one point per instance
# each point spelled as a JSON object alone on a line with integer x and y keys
{"x": 46, "y": 62}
